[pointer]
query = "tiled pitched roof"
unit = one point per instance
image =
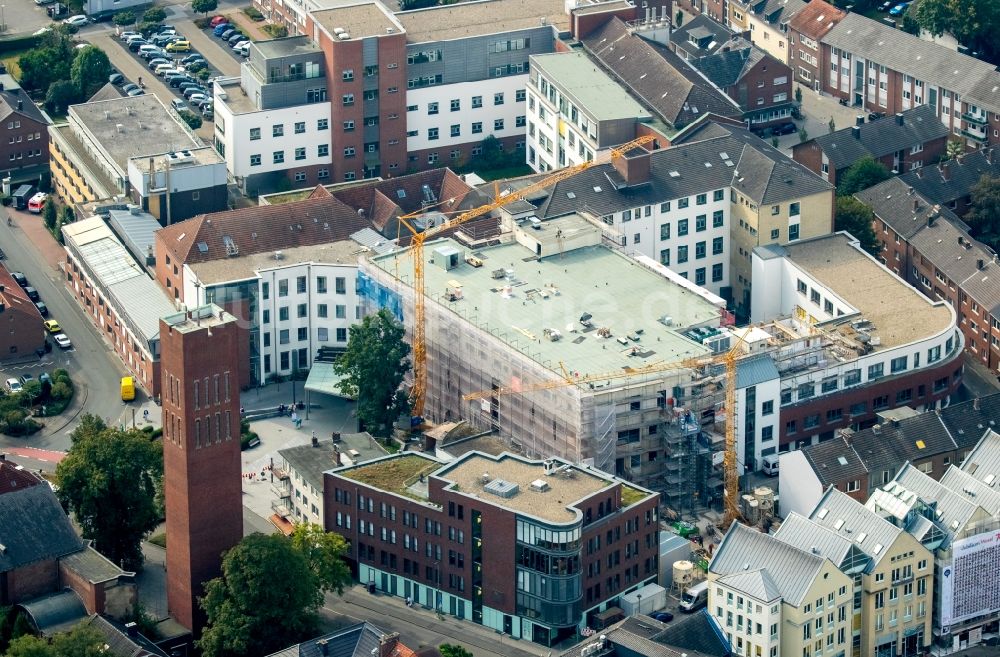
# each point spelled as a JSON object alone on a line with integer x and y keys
{"x": 728, "y": 66}
{"x": 816, "y": 19}
{"x": 660, "y": 79}
{"x": 775, "y": 12}
{"x": 117, "y": 642}
{"x": 704, "y": 30}
{"x": 756, "y": 583}
{"x": 107, "y": 92}
{"x": 361, "y": 640}
{"x": 13, "y": 477}
{"x": 943, "y": 186}
{"x": 694, "y": 635}
{"x": 261, "y": 229}
{"x": 882, "y": 136}
{"x": 969, "y": 421}
{"x": 849, "y": 518}
{"x": 835, "y": 461}
{"x": 904, "y": 210}
{"x": 34, "y": 528}
{"x": 8, "y": 105}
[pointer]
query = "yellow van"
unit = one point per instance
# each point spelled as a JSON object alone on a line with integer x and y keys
{"x": 128, "y": 388}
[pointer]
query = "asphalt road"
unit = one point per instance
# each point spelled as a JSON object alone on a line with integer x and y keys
{"x": 94, "y": 369}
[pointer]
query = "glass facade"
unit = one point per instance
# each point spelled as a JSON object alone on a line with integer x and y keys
{"x": 549, "y": 581}
{"x": 240, "y": 298}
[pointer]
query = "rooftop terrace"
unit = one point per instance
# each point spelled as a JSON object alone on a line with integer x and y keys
{"x": 521, "y": 300}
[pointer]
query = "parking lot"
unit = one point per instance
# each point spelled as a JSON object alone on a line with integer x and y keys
{"x": 23, "y": 17}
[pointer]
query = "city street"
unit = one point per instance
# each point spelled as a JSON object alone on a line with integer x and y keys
{"x": 94, "y": 369}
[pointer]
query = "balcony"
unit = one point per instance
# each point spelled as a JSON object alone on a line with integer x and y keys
{"x": 975, "y": 118}
{"x": 974, "y": 135}
{"x": 282, "y": 508}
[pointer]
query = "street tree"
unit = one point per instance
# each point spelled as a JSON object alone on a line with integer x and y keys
{"x": 61, "y": 94}
{"x": 325, "y": 553}
{"x": 90, "y": 70}
{"x": 265, "y": 600}
{"x": 204, "y": 6}
{"x": 861, "y": 175}
{"x": 953, "y": 149}
{"x": 108, "y": 481}
{"x": 373, "y": 367}
{"x": 124, "y": 18}
{"x": 984, "y": 215}
{"x": 50, "y": 214}
{"x": 453, "y": 650}
{"x": 47, "y": 62}
{"x": 856, "y": 218}
{"x": 81, "y": 641}
{"x": 154, "y": 15}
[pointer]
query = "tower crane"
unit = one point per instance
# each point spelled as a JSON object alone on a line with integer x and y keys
{"x": 728, "y": 358}
{"x": 419, "y": 389}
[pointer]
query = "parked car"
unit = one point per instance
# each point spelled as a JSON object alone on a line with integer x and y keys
{"x": 44, "y": 2}
{"x": 190, "y": 91}
{"x": 43, "y": 310}
{"x": 208, "y": 113}
{"x": 196, "y": 65}
{"x": 135, "y": 44}
{"x": 19, "y": 278}
{"x": 218, "y": 20}
{"x": 177, "y": 80}
{"x": 52, "y": 326}
{"x": 178, "y": 104}
{"x": 13, "y": 385}
{"x": 200, "y": 102}
{"x": 242, "y": 48}
{"x": 137, "y": 92}
{"x": 77, "y": 21}
{"x": 193, "y": 57}
{"x": 163, "y": 69}
{"x": 786, "y": 128}
{"x": 116, "y": 78}
{"x": 32, "y": 293}
{"x": 874, "y": 116}
{"x": 198, "y": 96}
{"x": 184, "y": 86}
{"x": 662, "y": 616}
{"x": 236, "y": 38}
{"x": 220, "y": 28}
{"x": 166, "y": 39}
{"x": 179, "y": 46}
{"x": 899, "y": 9}
{"x": 156, "y": 61}
{"x": 129, "y": 87}
{"x": 228, "y": 32}
{"x": 62, "y": 340}
{"x": 125, "y": 36}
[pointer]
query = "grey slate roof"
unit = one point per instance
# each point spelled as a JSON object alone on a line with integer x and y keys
{"x": 835, "y": 461}
{"x": 744, "y": 549}
{"x": 934, "y": 64}
{"x": 801, "y": 532}
{"x": 755, "y": 583}
{"x": 973, "y": 488}
{"x": 967, "y": 424}
{"x": 963, "y": 173}
{"x": 709, "y": 35}
{"x": 311, "y": 462}
{"x": 882, "y": 136}
{"x": 93, "y": 566}
{"x": 34, "y": 528}
{"x": 694, "y": 635}
{"x": 892, "y": 201}
{"x": 952, "y": 507}
{"x": 727, "y": 67}
{"x": 755, "y": 370}
{"x": 758, "y": 171}
{"x": 775, "y": 12}
{"x": 354, "y": 641}
{"x": 8, "y": 105}
{"x": 56, "y": 612}
{"x": 984, "y": 460}
{"x": 119, "y": 644}
{"x": 861, "y": 525}
{"x": 659, "y": 78}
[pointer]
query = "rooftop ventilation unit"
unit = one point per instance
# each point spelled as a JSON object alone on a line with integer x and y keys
{"x": 539, "y": 485}
{"x": 179, "y": 157}
{"x": 502, "y": 488}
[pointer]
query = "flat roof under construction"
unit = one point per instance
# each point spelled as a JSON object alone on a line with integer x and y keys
{"x": 518, "y": 299}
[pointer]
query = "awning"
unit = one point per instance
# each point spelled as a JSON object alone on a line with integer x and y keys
{"x": 324, "y": 380}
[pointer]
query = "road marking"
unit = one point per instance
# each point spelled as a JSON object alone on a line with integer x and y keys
{"x": 36, "y": 454}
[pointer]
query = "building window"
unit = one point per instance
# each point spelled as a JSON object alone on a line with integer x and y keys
{"x": 322, "y": 124}
{"x": 497, "y": 124}
{"x": 456, "y": 105}
{"x": 349, "y": 151}
{"x": 278, "y": 130}
{"x": 498, "y": 99}
{"x": 278, "y": 157}
{"x": 477, "y": 102}
{"x": 432, "y": 108}
{"x": 347, "y": 100}
{"x": 456, "y": 130}
{"x": 717, "y": 272}
{"x": 254, "y": 134}
{"x": 793, "y": 232}
{"x": 255, "y": 160}
{"x": 300, "y": 176}
{"x": 300, "y": 127}
{"x": 432, "y": 134}
{"x": 323, "y": 150}
{"x": 717, "y": 245}
{"x": 300, "y": 153}
{"x": 477, "y": 127}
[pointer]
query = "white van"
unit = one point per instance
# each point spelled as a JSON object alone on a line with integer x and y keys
{"x": 148, "y": 47}
{"x": 770, "y": 464}
{"x": 242, "y": 49}
{"x": 695, "y": 597}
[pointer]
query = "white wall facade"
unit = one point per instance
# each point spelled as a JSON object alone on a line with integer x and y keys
{"x": 243, "y": 148}
{"x": 750, "y": 624}
{"x": 542, "y": 152}
{"x": 420, "y": 123}
{"x": 800, "y": 489}
{"x": 304, "y": 306}
{"x": 765, "y": 418}
{"x": 669, "y": 233}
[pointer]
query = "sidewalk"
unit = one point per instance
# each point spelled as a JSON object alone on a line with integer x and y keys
{"x": 249, "y": 27}
{"x": 34, "y": 229}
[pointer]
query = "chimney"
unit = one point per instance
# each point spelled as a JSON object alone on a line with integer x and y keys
{"x": 859, "y": 119}
{"x": 980, "y": 264}
{"x": 931, "y": 219}
{"x": 975, "y": 407}
{"x": 945, "y": 168}
{"x": 899, "y": 118}
{"x": 856, "y": 132}
{"x": 20, "y": 104}
{"x": 633, "y": 166}
{"x": 916, "y": 203}
{"x": 323, "y": 649}
{"x": 387, "y": 644}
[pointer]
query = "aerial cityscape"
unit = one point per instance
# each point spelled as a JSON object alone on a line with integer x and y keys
{"x": 500, "y": 328}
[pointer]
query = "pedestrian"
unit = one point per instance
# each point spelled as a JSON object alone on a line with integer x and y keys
{"x": 314, "y": 436}
{"x": 145, "y": 414}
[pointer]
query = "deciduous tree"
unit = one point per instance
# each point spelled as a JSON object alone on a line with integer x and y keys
{"x": 324, "y": 552}
{"x": 856, "y": 218}
{"x": 81, "y": 641}
{"x": 265, "y": 600}
{"x": 90, "y": 70}
{"x": 984, "y": 216}
{"x": 108, "y": 480}
{"x": 373, "y": 367}
{"x": 861, "y": 175}
{"x": 204, "y": 6}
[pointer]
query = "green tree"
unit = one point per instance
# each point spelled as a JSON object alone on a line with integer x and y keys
{"x": 973, "y": 22}
{"x": 81, "y": 641}
{"x": 861, "y": 175}
{"x": 204, "y": 6}
{"x": 803, "y": 135}
{"x": 154, "y": 15}
{"x": 61, "y": 94}
{"x": 50, "y": 213}
{"x": 325, "y": 553}
{"x": 90, "y": 70}
{"x": 108, "y": 480}
{"x": 953, "y": 149}
{"x": 265, "y": 600}
{"x": 856, "y": 218}
{"x": 124, "y": 18}
{"x": 192, "y": 119}
{"x": 832, "y": 125}
{"x": 373, "y": 367}
{"x": 909, "y": 24}
{"x": 798, "y": 94}
{"x": 453, "y": 650}
{"x": 66, "y": 216}
{"x": 984, "y": 215}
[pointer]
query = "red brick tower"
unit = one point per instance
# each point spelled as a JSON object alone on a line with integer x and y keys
{"x": 199, "y": 361}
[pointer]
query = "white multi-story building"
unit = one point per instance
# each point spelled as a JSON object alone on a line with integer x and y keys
{"x": 575, "y": 110}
